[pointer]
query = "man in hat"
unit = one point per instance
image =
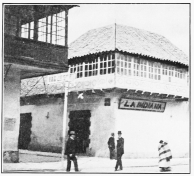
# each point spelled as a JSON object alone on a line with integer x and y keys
{"x": 111, "y": 145}
{"x": 120, "y": 151}
{"x": 71, "y": 151}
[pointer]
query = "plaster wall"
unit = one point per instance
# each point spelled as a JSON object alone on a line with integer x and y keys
{"x": 11, "y": 113}
{"x": 142, "y": 130}
{"x": 102, "y": 121}
{"x": 46, "y": 130}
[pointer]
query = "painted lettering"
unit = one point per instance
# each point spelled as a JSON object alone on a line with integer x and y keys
{"x": 139, "y": 105}
{"x": 132, "y": 104}
{"x": 126, "y": 104}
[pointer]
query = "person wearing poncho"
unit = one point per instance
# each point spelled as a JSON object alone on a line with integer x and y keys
{"x": 165, "y": 156}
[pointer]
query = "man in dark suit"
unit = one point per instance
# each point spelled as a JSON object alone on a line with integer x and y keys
{"x": 111, "y": 145}
{"x": 120, "y": 151}
{"x": 71, "y": 151}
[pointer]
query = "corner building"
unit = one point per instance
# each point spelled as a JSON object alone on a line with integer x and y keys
{"x": 127, "y": 80}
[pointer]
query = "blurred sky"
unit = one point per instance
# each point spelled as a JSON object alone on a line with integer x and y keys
{"x": 168, "y": 20}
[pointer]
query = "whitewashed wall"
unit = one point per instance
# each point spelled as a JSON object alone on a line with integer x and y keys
{"x": 11, "y": 110}
{"x": 46, "y": 132}
{"x": 141, "y": 130}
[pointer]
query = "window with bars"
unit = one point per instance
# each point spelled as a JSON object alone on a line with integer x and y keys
{"x": 124, "y": 65}
{"x": 51, "y": 29}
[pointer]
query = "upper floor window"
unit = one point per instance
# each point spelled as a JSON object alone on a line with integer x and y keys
{"x": 136, "y": 67}
{"x": 157, "y": 71}
{"x": 27, "y": 30}
{"x": 50, "y": 29}
{"x": 151, "y": 70}
{"x": 143, "y": 68}
{"x": 91, "y": 68}
{"x": 99, "y": 66}
{"x": 107, "y": 64}
{"x": 79, "y": 70}
{"x": 124, "y": 65}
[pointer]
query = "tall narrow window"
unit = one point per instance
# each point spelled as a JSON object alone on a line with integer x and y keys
{"x": 106, "y": 64}
{"x": 156, "y": 69}
{"x": 143, "y": 67}
{"x": 124, "y": 65}
{"x": 25, "y": 30}
{"x": 151, "y": 70}
{"x": 79, "y": 70}
{"x": 136, "y": 67}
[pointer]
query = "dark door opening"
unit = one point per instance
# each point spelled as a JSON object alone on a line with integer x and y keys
{"x": 25, "y": 130}
{"x": 80, "y": 123}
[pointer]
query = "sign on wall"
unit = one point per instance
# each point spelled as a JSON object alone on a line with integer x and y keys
{"x": 9, "y": 124}
{"x": 142, "y": 105}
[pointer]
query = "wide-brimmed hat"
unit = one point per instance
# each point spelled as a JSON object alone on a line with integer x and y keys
{"x": 72, "y": 133}
{"x": 119, "y": 132}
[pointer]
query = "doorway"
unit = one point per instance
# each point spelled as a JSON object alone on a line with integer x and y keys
{"x": 79, "y": 121}
{"x": 25, "y": 130}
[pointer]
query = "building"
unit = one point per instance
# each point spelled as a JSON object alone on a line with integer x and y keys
{"x": 35, "y": 44}
{"x": 127, "y": 80}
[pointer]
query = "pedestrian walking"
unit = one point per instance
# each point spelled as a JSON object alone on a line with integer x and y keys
{"x": 111, "y": 146}
{"x": 71, "y": 151}
{"x": 165, "y": 156}
{"x": 120, "y": 151}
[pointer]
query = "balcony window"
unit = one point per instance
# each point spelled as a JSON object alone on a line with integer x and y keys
{"x": 136, "y": 67}
{"x": 51, "y": 29}
{"x": 27, "y": 30}
{"x": 106, "y": 65}
{"x": 165, "y": 70}
{"x": 143, "y": 68}
{"x": 79, "y": 70}
{"x": 151, "y": 70}
{"x": 91, "y": 68}
{"x": 124, "y": 65}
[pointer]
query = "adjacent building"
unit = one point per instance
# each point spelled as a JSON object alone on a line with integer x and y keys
{"x": 35, "y": 44}
{"x": 128, "y": 80}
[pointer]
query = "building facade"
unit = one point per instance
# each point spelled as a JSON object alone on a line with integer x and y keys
{"x": 35, "y": 44}
{"x": 127, "y": 80}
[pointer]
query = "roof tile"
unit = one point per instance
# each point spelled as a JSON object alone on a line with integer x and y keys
{"x": 126, "y": 39}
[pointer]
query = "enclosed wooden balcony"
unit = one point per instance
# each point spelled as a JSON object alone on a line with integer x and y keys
{"x": 35, "y": 38}
{"x": 22, "y": 50}
{"x": 130, "y": 73}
